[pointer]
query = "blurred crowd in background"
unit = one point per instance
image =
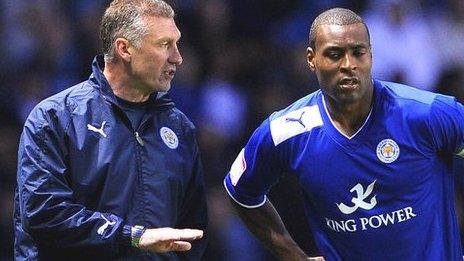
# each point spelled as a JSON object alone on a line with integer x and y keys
{"x": 243, "y": 59}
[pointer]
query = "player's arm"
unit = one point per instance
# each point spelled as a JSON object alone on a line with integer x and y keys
{"x": 447, "y": 125}
{"x": 48, "y": 212}
{"x": 265, "y": 223}
{"x": 256, "y": 169}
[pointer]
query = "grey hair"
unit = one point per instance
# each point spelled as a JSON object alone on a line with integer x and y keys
{"x": 126, "y": 19}
{"x": 334, "y": 16}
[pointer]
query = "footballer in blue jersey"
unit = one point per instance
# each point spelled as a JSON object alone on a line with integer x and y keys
{"x": 373, "y": 158}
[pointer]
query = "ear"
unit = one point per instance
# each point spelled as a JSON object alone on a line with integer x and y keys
{"x": 310, "y": 58}
{"x": 123, "y": 49}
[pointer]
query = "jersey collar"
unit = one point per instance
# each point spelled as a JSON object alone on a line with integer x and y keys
{"x": 354, "y": 140}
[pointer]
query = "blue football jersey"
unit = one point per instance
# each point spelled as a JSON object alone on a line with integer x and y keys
{"x": 385, "y": 193}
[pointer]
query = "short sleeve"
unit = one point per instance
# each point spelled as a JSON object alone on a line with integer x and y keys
{"x": 447, "y": 125}
{"x": 255, "y": 170}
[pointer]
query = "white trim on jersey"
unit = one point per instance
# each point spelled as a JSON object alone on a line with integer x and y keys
{"x": 294, "y": 123}
{"x": 335, "y": 126}
{"x": 241, "y": 204}
{"x": 238, "y": 167}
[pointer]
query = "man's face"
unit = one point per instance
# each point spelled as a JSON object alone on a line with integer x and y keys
{"x": 342, "y": 61}
{"x": 153, "y": 65}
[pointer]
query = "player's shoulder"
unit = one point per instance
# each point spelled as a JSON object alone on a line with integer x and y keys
{"x": 414, "y": 100}
{"x": 303, "y": 103}
{"x": 299, "y": 117}
{"x": 407, "y": 94}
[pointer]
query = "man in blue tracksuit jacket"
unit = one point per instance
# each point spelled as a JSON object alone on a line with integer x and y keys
{"x": 109, "y": 168}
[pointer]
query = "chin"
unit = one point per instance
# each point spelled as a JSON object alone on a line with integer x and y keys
{"x": 163, "y": 88}
{"x": 349, "y": 98}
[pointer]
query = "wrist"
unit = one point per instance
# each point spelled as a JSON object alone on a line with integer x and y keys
{"x": 136, "y": 235}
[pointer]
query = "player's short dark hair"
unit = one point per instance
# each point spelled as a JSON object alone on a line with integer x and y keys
{"x": 334, "y": 16}
{"x": 125, "y": 18}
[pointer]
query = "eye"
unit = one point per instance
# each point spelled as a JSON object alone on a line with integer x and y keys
{"x": 359, "y": 53}
{"x": 164, "y": 44}
{"x": 334, "y": 55}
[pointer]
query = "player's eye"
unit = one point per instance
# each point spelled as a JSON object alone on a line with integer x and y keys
{"x": 334, "y": 55}
{"x": 359, "y": 53}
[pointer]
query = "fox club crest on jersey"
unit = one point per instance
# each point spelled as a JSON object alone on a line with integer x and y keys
{"x": 169, "y": 137}
{"x": 388, "y": 151}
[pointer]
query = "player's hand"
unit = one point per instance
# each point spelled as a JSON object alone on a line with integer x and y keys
{"x": 167, "y": 239}
{"x": 316, "y": 258}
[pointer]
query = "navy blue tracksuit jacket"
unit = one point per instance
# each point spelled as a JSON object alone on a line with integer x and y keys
{"x": 85, "y": 176}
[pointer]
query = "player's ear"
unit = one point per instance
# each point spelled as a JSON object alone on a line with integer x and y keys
{"x": 123, "y": 49}
{"x": 310, "y": 58}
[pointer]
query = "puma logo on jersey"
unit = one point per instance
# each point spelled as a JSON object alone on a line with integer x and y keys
{"x": 102, "y": 228}
{"x": 297, "y": 120}
{"x": 294, "y": 123}
{"x": 358, "y": 201}
{"x": 97, "y": 130}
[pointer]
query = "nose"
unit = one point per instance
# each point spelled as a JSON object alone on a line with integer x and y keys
{"x": 348, "y": 63}
{"x": 175, "y": 56}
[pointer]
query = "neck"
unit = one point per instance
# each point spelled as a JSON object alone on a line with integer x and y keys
{"x": 122, "y": 85}
{"x": 348, "y": 118}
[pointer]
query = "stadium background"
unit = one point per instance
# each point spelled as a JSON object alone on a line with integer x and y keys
{"x": 243, "y": 59}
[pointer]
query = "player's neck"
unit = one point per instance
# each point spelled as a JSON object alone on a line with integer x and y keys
{"x": 348, "y": 118}
{"x": 122, "y": 85}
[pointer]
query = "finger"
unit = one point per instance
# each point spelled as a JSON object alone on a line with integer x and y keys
{"x": 171, "y": 234}
{"x": 188, "y": 234}
{"x": 180, "y": 246}
{"x": 317, "y": 258}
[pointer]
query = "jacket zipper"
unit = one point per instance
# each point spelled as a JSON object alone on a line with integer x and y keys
{"x": 139, "y": 139}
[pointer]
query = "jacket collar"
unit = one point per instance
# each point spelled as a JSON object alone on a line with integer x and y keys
{"x": 101, "y": 83}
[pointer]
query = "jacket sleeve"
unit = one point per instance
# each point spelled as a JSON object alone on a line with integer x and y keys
{"x": 47, "y": 210}
{"x": 194, "y": 210}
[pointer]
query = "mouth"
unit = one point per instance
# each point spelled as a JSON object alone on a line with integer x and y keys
{"x": 170, "y": 73}
{"x": 349, "y": 83}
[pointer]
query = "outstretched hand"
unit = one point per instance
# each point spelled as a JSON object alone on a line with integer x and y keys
{"x": 168, "y": 239}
